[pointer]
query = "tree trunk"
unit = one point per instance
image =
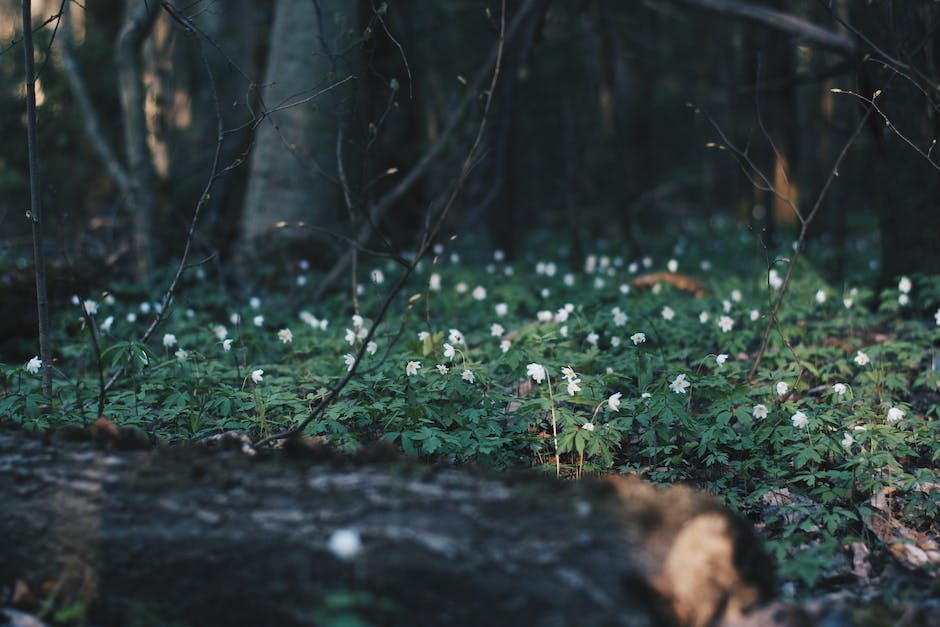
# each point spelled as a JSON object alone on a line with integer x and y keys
{"x": 222, "y": 538}
{"x": 139, "y": 19}
{"x": 906, "y": 186}
{"x": 293, "y": 166}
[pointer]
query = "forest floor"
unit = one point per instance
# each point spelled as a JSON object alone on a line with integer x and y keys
{"x": 642, "y": 366}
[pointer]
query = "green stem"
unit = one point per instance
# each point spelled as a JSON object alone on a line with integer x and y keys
{"x": 551, "y": 397}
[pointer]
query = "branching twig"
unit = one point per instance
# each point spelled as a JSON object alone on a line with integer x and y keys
{"x": 35, "y": 29}
{"x": 834, "y": 172}
{"x": 427, "y": 240}
{"x": 214, "y": 174}
{"x": 873, "y": 106}
{"x": 762, "y": 181}
{"x": 416, "y": 173}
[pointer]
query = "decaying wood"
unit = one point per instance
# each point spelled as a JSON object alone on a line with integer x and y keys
{"x": 217, "y": 537}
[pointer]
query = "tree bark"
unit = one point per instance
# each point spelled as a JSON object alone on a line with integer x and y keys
{"x": 289, "y": 176}
{"x": 222, "y": 538}
{"x": 139, "y": 19}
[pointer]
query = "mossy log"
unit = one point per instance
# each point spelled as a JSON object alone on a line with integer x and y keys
{"x": 188, "y": 535}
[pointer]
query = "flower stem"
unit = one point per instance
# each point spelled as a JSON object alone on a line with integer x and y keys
{"x": 551, "y": 397}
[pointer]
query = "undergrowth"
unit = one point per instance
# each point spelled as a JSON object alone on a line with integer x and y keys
{"x": 579, "y": 370}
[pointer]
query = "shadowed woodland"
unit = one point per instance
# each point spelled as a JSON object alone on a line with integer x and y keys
{"x": 255, "y": 254}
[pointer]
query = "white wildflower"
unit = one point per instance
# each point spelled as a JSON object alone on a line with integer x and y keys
{"x": 799, "y": 420}
{"x": 904, "y": 285}
{"x": 725, "y": 323}
{"x": 613, "y": 401}
{"x": 536, "y": 371}
{"x": 679, "y": 384}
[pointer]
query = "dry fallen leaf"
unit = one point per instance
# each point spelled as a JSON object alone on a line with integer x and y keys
{"x": 679, "y": 281}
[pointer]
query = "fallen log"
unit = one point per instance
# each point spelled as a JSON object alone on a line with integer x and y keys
{"x": 189, "y": 535}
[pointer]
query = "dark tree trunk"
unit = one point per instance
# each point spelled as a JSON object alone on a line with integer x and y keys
{"x": 139, "y": 20}
{"x": 905, "y": 185}
{"x": 221, "y": 538}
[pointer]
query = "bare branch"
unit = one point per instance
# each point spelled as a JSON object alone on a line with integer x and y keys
{"x": 425, "y": 246}
{"x": 834, "y": 172}
{"x": 35, "y": 203}
{"x": 214, "y": 174}
{"x": 872, "y": 106}
{"x": 804, "y": 31}
{"x": 416, "y": 173}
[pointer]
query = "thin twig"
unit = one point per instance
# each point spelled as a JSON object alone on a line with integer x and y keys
{"x": 214, "y": 175}
{"x": 833, "y": 173}
{"x": 409, "y": 270}
{"x": 415, "y": 174}
{"x": 873, "y": 106}
{"x": 35, "y": 203}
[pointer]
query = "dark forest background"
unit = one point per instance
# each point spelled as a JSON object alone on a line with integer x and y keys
{"x": 594, "y": 129}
